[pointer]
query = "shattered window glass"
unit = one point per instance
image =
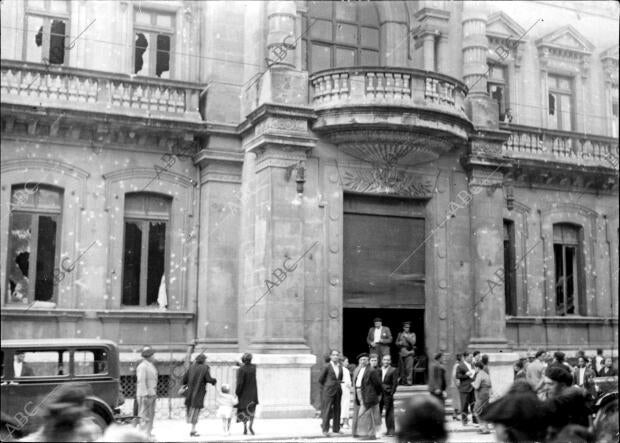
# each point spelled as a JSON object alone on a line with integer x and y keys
{"x": 153, "y": 43}
{"x": 57, "y": 42}
{"x": 565, "y": 251}
{"x": 33, "y": 240}
{"x": 47, "y": 24}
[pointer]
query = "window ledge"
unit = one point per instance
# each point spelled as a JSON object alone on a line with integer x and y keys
{"x": 561, "y": 320}
{"x": 10, "y": 311}
{"x": 143, "y": 314}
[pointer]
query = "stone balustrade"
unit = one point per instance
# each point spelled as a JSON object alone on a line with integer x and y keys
{"x": 387, "y": 86}
{"x": 37, "y": 84}
{"x": 560, "y": 146}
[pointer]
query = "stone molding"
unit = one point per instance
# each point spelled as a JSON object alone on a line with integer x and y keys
{"x": 385, "y": 181}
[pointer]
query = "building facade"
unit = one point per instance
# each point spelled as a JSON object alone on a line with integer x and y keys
{"x": 270, "y": 176}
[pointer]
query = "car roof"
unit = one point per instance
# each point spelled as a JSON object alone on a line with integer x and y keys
{"x": 55, "y": 342}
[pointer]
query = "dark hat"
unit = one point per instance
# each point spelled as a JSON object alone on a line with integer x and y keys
{"x": 377, "y": 319}
{"x": 559, "y": 374}
{"x": 363, "y": 354}
{"x": 406, "y": 323}
{"x": 147, "y": 352}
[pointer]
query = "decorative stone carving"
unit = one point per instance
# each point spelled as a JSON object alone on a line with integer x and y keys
{"x": 281, "y": 124}
{"x": 492, "y": 149}
{"x": 385, "y": 180}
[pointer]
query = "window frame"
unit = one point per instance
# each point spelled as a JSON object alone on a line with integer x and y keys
{"x": 333, "y": 44}
{"x": 579, "y": 301}
{"x": 510, "y": 272}
{"x": 558, "y": 92}
{"x": 153, "y": 30}
{"x": 144, "y": 222}
{"x": 47, "y": 15}
{"x": 35, "y": 212}
{"x": 504, "y": 84}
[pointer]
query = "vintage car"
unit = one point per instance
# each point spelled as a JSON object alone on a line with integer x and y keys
{"x": 46, "y": 365}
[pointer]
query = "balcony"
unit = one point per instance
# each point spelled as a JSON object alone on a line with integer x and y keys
{"x": 412, "y": 114}
{"x": 66, "y": 88}
{"x": 562, "y": 147}
{"x": 562, "y": 158}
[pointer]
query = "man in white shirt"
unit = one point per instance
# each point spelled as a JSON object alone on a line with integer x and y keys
{"x": 598, "y": 361}
{"x": 389, "y": 383}
{"x": 146, "y": 387}
{"x": 379, "y": 338}
{"x": 330, "y": 381}
{"x": 358, "y": 376}
{"x": 20, "y": 368}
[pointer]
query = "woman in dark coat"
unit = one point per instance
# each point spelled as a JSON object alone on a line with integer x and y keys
{"x": 196, "y": 379}
{"x": 246, "y": 392}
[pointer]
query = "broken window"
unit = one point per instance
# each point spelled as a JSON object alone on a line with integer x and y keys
{"x": 33, "y": 243}
{"x": 144, "y": 255}
{"x": 498, "y": 89}
{"x": 560, "y": 102}
{"x": 153, "y": 43}
{"x": 567, "y": 256}
{"x": 46, "y": 25}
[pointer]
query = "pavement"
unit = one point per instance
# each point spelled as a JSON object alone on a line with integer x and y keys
{"x": 283, "y": 430}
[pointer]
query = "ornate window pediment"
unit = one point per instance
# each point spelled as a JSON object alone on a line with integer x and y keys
{"x": 505, "y": 38}
{"x": 565, "y": 49}
{"x": 609, "y": 58}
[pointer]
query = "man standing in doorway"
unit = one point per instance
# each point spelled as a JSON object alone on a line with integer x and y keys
{"x": 389, "y": 382}
{"x": 146, "y": 390}
{"x": 379, "y": 338}
{"x": 330, "y": 380}
{"x": 405, "y": 342}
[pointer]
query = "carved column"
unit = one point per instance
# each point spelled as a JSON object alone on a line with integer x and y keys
{"x": 475, "y": 47}
{"x": 429, "y": 52}
{"x": 433, "y": 23}
{"x": 442, "y": 54}
{"x": 281, "y": 37}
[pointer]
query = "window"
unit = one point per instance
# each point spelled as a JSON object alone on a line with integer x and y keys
{"x": 145, "y": 248}
{"x": 497, "y": 87}
{"x": 510, "y": 290}
{"x": 153, "y": 42}
{"x": 42, "y": 363}
{"x": 340, "y": 34}
{"x": 566, "y": 251}
{"x": 90, "y": 361}
{"x": 560, "y": 103}
{"x": 33, "y": 242}
{"x": 47, "y": 22}
{"x": 614, "y": 111}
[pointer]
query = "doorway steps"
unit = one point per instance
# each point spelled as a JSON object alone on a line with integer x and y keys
{"x": 404, "y": 393}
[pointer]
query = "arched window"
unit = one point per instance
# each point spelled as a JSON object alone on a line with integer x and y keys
{"x": 147, "y": 218}
{"x": 340, "y": 34}
{"x": 569, "y": 297}
{"x": 33, "y": 247}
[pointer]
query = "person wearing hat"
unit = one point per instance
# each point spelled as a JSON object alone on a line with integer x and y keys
{"x": 405, "y": 342}
{"x": 565, "y": 404}
{"x": 379, "y": 338}
{"x": 196, "y": 379}
{"x": 517, "y": 416}
{"x": 146, "y": 390}
{"x": 368, "y": 390}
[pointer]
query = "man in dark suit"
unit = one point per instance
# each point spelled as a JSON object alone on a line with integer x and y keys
{"x": 608, "y": 370}
{"x": 330, "y": 380}
{"x": 465, "y": 376}
{"x": 368, "y": 389}
{"x": 20, "y": 367}
{"x": 389, "y": 383}
{"x": 437, "y": 377}
{"x": 379, "y": 338}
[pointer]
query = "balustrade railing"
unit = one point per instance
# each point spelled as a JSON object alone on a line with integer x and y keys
{"x": 561, "y": 146}
{"x": 35, "y": 83}
{"x": 387, "y": 86}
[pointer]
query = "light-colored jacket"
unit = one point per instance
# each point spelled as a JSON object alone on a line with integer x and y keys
{"x": 146, "y": 375}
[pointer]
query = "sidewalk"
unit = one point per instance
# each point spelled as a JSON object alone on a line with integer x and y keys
{"x": 266, "y": 430}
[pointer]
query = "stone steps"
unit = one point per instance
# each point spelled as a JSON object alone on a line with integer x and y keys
{"x": 403, "y": 393}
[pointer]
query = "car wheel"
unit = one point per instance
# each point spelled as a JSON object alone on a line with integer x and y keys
{"x": 98, "y": 420}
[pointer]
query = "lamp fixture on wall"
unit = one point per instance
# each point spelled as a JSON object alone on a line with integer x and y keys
{"x": 300, "y": 170}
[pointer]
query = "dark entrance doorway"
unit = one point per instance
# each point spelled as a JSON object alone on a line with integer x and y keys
{"x": 357, "y": 322}
{"x": 384, "y": 269}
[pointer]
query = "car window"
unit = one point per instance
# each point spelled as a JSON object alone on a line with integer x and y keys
{"x": 41, "y": 363}
{"x": 90, "y": 361}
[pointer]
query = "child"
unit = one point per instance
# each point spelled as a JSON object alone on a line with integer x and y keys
{"x": 226, "y": 401}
